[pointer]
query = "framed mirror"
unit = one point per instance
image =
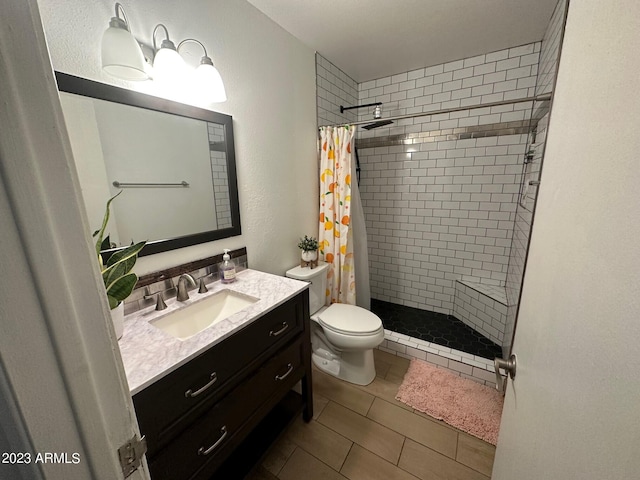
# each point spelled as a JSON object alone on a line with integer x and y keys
{"x": 174, "y": 164}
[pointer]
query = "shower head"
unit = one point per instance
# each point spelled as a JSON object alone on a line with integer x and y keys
{"x": 377, "y": 124}
{"x": 377, "y": 115}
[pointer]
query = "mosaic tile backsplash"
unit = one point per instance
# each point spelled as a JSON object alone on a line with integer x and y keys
{"x": 166, "y": 281}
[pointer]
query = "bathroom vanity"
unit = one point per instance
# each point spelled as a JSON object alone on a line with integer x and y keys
{"x": 209, "y": 405}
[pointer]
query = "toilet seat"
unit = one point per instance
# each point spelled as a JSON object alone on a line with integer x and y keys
{"x": 349, "y": 320}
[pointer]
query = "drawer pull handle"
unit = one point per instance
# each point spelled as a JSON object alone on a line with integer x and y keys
{"x": 190, "y": 394}
{"x": 285, "y": 325}
{"x": 203, "y": 451}
{"x": 289, "y": 370}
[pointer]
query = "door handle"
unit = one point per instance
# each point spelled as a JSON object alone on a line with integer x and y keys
{"x": 508, "y": 366}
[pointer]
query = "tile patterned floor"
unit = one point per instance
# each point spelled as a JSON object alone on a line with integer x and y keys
{"x": 363, "y": 433}
{"x": 434, "y": 327}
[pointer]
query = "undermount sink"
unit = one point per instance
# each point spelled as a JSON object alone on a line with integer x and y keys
{"x": 193, "y": 319}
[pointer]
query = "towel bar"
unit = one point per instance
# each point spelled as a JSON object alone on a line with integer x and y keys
{"x": 118, "y": 184}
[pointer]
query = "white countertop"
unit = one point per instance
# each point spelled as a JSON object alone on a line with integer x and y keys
{"x": 149, "y": 354}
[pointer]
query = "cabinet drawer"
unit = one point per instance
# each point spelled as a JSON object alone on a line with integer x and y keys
{"x": 212, "y": 437}
{"x": 167, "y": 406}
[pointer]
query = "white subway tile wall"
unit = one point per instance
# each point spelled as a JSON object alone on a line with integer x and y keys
{"x": 334, "y": 88}
{"x": 483, "y": 308}
{"x": 550, "y": 50}
{"x": 524, "y": 212}
{"x": 444, "y": 209}
{"x": 504, "y": 75}
{"x": 439, "y": 214}
{"x": 220, "y": 177}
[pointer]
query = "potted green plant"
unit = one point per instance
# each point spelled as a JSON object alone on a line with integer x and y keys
{"x": 309, "y": 247}
{"x": 119, "y": 280}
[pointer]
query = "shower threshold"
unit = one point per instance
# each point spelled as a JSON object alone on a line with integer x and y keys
{"x": 432, "y": 327}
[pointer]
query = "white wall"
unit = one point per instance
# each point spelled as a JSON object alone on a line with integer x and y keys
{"x": 524, "y": 208}
{"x": 573, "y": 412}
{"x": 270, "y": 81}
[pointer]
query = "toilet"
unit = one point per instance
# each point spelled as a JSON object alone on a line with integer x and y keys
{"x": 342, "y": 336}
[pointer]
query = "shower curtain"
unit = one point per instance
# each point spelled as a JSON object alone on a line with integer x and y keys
{"x": 360, "y": 246}
{"x": 339, "y": 202}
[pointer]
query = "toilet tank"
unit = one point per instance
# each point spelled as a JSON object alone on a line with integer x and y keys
{"x": 318, "y": 278}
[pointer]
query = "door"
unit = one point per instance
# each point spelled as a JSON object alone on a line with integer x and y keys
{"x": 573, "y": 410}
{"x": 65, "y": 407}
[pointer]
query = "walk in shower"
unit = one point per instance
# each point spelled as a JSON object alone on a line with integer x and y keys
{"x": 440, "y": 206}
{"x": 448, "y": 189}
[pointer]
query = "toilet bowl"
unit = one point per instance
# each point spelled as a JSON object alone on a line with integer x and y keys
{"x": 342, "y": 336}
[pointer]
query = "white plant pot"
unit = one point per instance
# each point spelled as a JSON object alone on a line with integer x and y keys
{"x": 309, "y": 256}
{"x": 117, "y": 317}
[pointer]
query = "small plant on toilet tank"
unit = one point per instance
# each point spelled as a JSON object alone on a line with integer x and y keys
{"x": 309, "y": 247}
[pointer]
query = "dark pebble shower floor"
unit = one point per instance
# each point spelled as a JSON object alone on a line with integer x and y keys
{"x": 434, "y": 327}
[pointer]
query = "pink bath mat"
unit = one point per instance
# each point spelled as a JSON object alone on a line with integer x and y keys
{"x": 462, "y": 403}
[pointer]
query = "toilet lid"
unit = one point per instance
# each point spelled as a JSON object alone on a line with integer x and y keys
{"x": 349, "y": 319}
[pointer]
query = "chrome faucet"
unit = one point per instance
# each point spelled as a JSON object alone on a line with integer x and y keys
{"x": 183, "y": 294}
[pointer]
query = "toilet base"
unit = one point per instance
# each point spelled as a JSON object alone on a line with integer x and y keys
{"x": 324, "y": 361}
{"x": 353, "y": 367}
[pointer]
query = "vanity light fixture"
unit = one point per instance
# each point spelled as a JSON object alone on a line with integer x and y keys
{"x": 121, "y": 53}
{"x": 122, "y": 57}
{"x": 168, "y": 65}
{"x": 207, "y": 79}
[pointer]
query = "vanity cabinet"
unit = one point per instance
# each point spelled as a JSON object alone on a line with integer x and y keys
{"x": 195, "y": 417}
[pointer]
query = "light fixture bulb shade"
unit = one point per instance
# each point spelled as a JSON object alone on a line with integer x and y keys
{"x": 121, "y": 55}
{"x": 168, "y": 66}
{"x": 209, "y": 83}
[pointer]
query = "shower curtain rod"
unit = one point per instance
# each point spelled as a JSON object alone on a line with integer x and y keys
{"x": 537, "y": 98}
